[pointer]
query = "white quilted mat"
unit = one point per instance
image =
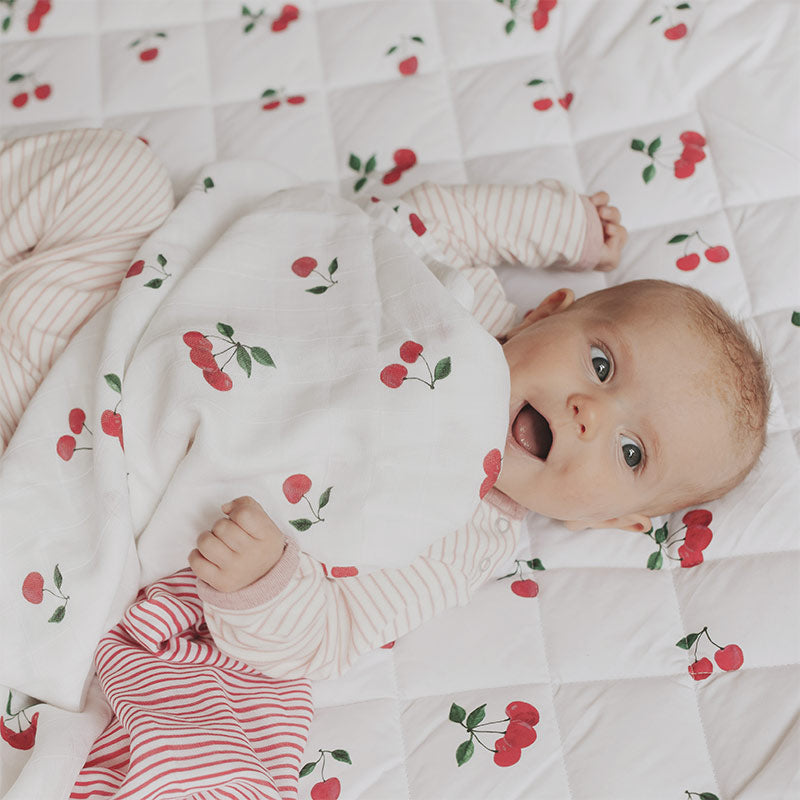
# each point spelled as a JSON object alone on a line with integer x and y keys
{"x": 598, "y": 93}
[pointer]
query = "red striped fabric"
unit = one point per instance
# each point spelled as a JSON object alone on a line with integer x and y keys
{"x": 189, "y": 721}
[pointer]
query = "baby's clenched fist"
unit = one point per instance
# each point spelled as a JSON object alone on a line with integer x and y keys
{"x": 239, "y": 549}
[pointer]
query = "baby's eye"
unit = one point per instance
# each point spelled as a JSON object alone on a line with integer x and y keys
{"x": 601, "y": 362}
{"x": 631, "y": 452}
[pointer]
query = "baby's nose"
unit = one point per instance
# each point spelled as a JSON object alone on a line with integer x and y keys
{"x": 584, "y": 414}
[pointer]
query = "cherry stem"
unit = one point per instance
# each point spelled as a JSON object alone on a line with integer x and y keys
{"x": 222, "y": 351}
{"x": 496, "y": 722}
{"x": 718, "y": 646}
{"x": 236, "y": 344}
{"x": 319, "y": 519}
{"x": 82, "y": 448}
{"x": 330, "y": 280}
{"x": 56, "y": 595}
{"x": 429, "y": 369}
{"x": 412, "y": 378}
{"x": 87, "y": 428}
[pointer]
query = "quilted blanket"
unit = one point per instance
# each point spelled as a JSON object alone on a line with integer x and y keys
{"x": 624, "y": 648}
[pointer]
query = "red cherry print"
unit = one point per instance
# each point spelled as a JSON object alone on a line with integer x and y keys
{"x": 279, "y": 24}
{"x": 521, "y": 710}
{"x": 304, "y": 266}
{"x": 693, "y": 153}
{"x": 65, "y": 447}
{"x": 698, "y": 537}
{"x": 135, "y": 269}
{"x": 22, "y": 740}
{"x": 201, "y": 357}
{"x": 417, "y": 225}
{"x": 393, "y": 375}
{"x": 295, "y": 486}
{"x": 405, "y": 158}
{"x": 701, "y": 669}
{"x": 290, "y": 13}
{"x": 688, "y": 262}
{"x": 492, "y": 462}
{"x": 343, "y": 572}
{"x": 539, "y": 19}
{"x": 506, "y": 755}
{"x": 408, "y": 66}
{"x": 676, "y": 31}
{"x": 43, "y": 91}
{"x": 689, "y": 557}
{"x": 148, "y": 55}
{"x": 32, "y": 587}
{"x": 271, "y": 105}
{"x": 566, "y": 100}
{"x": 196, "y": 339}
{"x": 525, "y": 588}
{"x": 542, "y": 104}
{"x": 296, "y": 99}
{"x": 693, "y": 137}
{"x": 76, "y": 419}
{"x": 683, "y": 168}
{"x": 392, "y": 176}
{"x": 20, "y": 99}
{"x": 546, "y": 5}
{"x": 520, "y": 734}
{"x": 698, "y": 516}
{"x": 717, "y": 254}
{"x": 111, "y": 422}
{"x": 729, "y": 658}
{"x": 409, "y": 351}
{"x": 387, "y": 646}
{"x": 326, "y": 790}
{"x": 34, "y": 21}
{"x": 220, "y": 380}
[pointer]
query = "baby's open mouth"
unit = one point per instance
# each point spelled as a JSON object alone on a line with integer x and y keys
{"x": 532, "y": 431}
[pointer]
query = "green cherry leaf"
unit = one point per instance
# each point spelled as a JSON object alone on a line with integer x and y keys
{"x": 307, "y": 769}
{"x": 359, "y": 184}
{"x": 796, "y": 318}
{"x": 268, "y": 93}
{"x": 249, "y": 27}
{"x": 535, "y": 82}
{"x": 509, "y": 27}
{"x": 16, "y": 77}
{"x": 464, "y": 752}
{"x": 6, "y": 26}
{"x": 161, "y": 260}
{"x": 370, "y": 165}
{"x": 655, "y": 561}
{"x": 208, "y": 183}
{"x": 300, "y": 524}
{"x": 682, "y": 7}
{"x": 391, "y": 50}
{"x": 318, "y": 289}
{"x": 8, "y": 703}
{"x": 418, "y": 39}
{"x": 655, "y": 19}
{"x": 687, "y": 641}
{"x": 224, "y": 329}
{"x": 114, "y": 382}
{"x": 154, "y": 284}
{"x": 324, "y": 497}
{"x": 355, "y": 162}
{"x": 535, "y": 564}
{"x": 649, "y": 173}
{"x": 477, "y": 716}
{"x": 341, "y": 755}
{"x": 681, "y": 237}
{"x": 244, "y": 360}
{"x": 58, "y": 614}
{"x": 442, "y": 369}
{"x": 333, "y": 266}
{"x": 654, "y": 145}
{"x": 262, "y": 356}
{"x": 57, "y": 577}
{"x": 637, "y": 144}
{"x": 457, "y": 714}
{"x": 707, "y": 795}
{"x": 649, "y": 531}
{"x": 661, "y": 534}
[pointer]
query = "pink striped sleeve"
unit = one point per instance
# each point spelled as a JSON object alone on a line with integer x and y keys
{"x": 316, "y": 626}
{"x": 546, "y": 224}
{"x": 75, "y": 206}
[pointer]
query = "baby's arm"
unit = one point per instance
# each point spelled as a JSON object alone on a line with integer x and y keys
{"x": 547, "y": 224}
{"x": 297, "y": 622}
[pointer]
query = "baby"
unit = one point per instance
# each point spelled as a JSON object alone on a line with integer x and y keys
{"x": 626, "y": 404}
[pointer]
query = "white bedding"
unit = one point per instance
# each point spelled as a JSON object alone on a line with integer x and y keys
{"x": 595, "y": 651}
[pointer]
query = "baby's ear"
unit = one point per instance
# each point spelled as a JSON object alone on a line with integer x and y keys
{"x": 552, "y": 304}
{"x": 638, "y": 523}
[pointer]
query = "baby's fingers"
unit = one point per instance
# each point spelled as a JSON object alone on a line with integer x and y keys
{"x": 610, "y": 214}
{"x": 599, "y": 198}
{"x": 615, "y": 235}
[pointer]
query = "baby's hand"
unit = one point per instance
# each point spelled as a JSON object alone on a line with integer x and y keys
{"x": 239, "y": 549}
{"x": 614, "y": 235}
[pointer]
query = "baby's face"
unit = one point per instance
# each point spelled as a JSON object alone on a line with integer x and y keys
{"x": 611, "y": 415}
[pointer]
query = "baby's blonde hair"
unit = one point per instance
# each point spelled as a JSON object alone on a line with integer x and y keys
{"x": 741, "y": 379}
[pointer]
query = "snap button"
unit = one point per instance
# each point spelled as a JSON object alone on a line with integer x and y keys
{"x": 503, "y": 525}
{"x": 485, "y": 564}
